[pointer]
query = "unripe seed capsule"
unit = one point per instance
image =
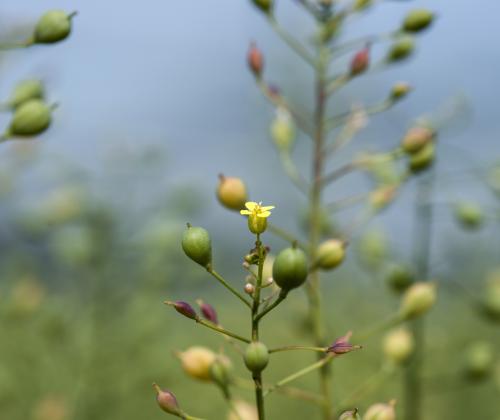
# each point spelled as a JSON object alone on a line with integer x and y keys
{"x": 30, "y": 118}
{"x": 398, "y": 345}
{"x": 479, "y": 360}
{"x": 423, "y": 159}
{"x": 330, "y": 254}
{"x": 400, "y": 90}
{"x": 469, "y": 215}
{"x": 220, "y": 371}
{"x": 184, "y": 308}
{"x": 418, "y": 20}
{"x": 360, "y": 62}
{"x": 401, "y": 49}
{"x": 197, "y": 245}
{"x": 264, "y": 5}
{"x": 208, "y": 311}
{"x": 255, "y": 60}
{"x": 381, "y": 411}
{"x": 283, "y": 130}
{"x": 26, "y": 90}
{"x": 398, "y": 277}
{"x": 196, "y": 362}
{"x": 167, "y": 401}
{"x": 491, "y": 296}
{"x": 416, "y": 139}
{"x": 232, "y": 192}
{"x": 256, "y": 357}
{"x": 290, "y": 268}
{"x": 53, "y": 26}
{"x": 249, "y": 289}
{"x": 362, "y": 4}
{"x": 417, "y": 300}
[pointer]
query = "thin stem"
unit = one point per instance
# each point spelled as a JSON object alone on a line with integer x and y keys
{"x": 317, "y": 365}
{"x": 379, "y": 328}
{"x": 281, "y": 298}
{"x": 347, "y": 202}
{"x": 288, "y": 348}
{"x": 340, "y": 172}
{"x": 221, "y": 330}
{"x": 338, "y": 120}
{"x": 291, "y": 42}
{"x": 362, "y": 41}
{"x": 292, "y": 172}
{"x": 16, "y": 45}
{"x": 228, "y": 286}
{"x": 282, "y": 233}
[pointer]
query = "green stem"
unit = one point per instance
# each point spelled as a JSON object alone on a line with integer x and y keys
{"x": 339, "y": 120}
{"x": 288, "y": 348}
{"x": 281, "y": 298}
{"x": 282, "y": 233}
{"x": 292, "y": 172}
{"x": 317, "y": 365}
{"x": 222, "y": 330}
{"x": 16, "y": 45}
{"x": 378, "y": 328}
{"x": 228, "y": 286}
{"x": 413, "y": 389}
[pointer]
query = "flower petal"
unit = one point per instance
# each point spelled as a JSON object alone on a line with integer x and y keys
{"x": 267, "y": 208}
{"x": 250, "y": 205}
{"x": 245, "y": 212}
{"x": 264, "y": 214}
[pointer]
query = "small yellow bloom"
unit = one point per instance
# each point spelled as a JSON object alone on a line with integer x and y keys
{"x": 256, "y": 209}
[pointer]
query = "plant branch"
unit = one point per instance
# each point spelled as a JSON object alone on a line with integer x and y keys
{"x": 228, "y": 286}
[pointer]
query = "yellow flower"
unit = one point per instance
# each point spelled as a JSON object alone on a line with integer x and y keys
{"x": 256, "y": 209}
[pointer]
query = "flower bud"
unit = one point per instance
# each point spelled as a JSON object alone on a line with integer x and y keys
{"x": 232, "y": 193}
{"x": 398, "y": 345}
{"x": 479, "y": 360}
{"x": 401, "y": 49}
{"x": 264, "y": 5}
{"x": 469, "y": 215}
{"x": 491, "y": 296}
{"x": 417, "y": 300}
{"x": 400, "y": 90}
{"x": 30, "y": 118}
{"x": 398, "y": 277}
{"x": 167, "y": 401}
{"x": 196, "y": 362}
{"x": 256, "y": 357}
{"x": 220, "y": 371}
{"x": 381, "y": 411}
{"x": 330, "y": 254}
{"x": 283, "y": 130}
{"x": 243, "y": 411}
{"x": 350, "y": 415}
{"x": 183, "y": 308}
{"x": 360, "y": 62}
{"x": 373, "y": 248}
{"x": 197, "y": 245}
{"x": 423, "y": 159}
{"x": 416, "y": 139}
{"x": 290, "y": 268}
{"x": 208, "y": 311}
{"x": 26, "y": 90}
{"x": 53, "y": 26}
{"x": 249, "y": 289}
{"x": 255, "y": 60}
{"x": 381, "y": 197}
{"x": 417, "y": 20}
{"x": 342, "y": 345}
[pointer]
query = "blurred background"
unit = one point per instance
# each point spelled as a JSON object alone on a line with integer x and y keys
{"x": 155, "y": 100}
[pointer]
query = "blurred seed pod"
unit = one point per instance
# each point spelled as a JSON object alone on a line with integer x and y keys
{"x": 232, "y": 193}
{"x": 327, "y": 228}
{"x": 398, "y": 277}
{"x": 255, "y": 60}
{"x": 283, "y": 130}
{"x": 381, "y": 411}
{"x": 362, "y": 4}
{"x": 244, "y": 411}
{"x": 221, "y": 371}
{"x": 401, "y": 49}
{"x": 373, "y": 249}
{"x": 350, "y": 415}
{"x": 423, "y": 159}
{"x": 264, "y": 5}
{"x": 382, "y": 167}
{"x": 398, "y": 345}
{"x": 53, "y": 26}
{"x": 26, "y": 90}
{"x": 469, "y": 215}
{"x": 399, "y": 90}
{"x": 256, "y": 357}
{"x": 491, "y": 296}
{"x": 416, "y": 138}
{"x": 167, "y": 401}
{"x": 417, "y": 300}
{"x": 381, "y": 197}
{"x": 418, "y": 20}
{"x": 197, "y": 362}
{"x": 330, "y": 254}
{"x": 31, "y": 118}
{"x": 360, "y": 62}
{"x": 479, "y": 359}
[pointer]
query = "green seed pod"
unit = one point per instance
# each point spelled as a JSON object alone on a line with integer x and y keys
{"x": 330, "y": 254}
{"x": 197, "y": 245}
{"x": 469, "y": 215}
{"x": 382, "y": 167}
{"x": 398, "y": 277}
{"x": 256, "y": 357}
{"x": 417, "y": 300}
{"x": 283, "y": 130}
{"x": 373, "y": 248}
{"x": 423, "y": 159}
{"x": 232, "y": 193}
{"x": 220, "y": 371}
{"x": 401, "y": 49}
{"x": 290, "y": 268}
{"x": 30, "y": 118}
{"x": 26, "y": 90}
{"x": 256, "y": 224}
{"x": 381, "y": 411}
{"x": 264, "y": 5}
{"x": 417, "y": 20}
{"x": 362, "y": 4}
{"x": 416, "y": 138}
{"x": 381, "y": 197}
{"x": 398, "y": 345}
{"x": 491, "y": 296}
{"x": 53, "y": 26}
{"x": 400, "y": 90}
{"x": 479, "y": 359}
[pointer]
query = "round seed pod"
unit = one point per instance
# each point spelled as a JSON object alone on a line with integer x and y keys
{"x": 416, "y": 139}
{"x": 469, "y": 215}
{"x": 423, "y": 159}
{"x": 197, "y": 245}
{"x": 26, "y": 90}
{"x": 398, "y": 345}
{"x": 167, "y": 401}
{"x": 491, "y": 296}
{"x": 399, "y": 277}
{"x": 256, "y": 224}
{"x": 283, "y": 130}
{"x": 264, "y": 5}
{"x": 418, "y": 20}
{"x": 400, "y": 90}
{"x": 381, "y": 411}
{"x": 220, "y": 371}
{"x": 197, "y": 362}
{"x": 330, "y": 254}
{"x": 30, "y": 118}
{"x": 417, "y": 300}
{"x": 479, "y": 359}
{"x": 256, "y": 357}
{"x": 290, "y": 268}
{"x": 53, "y": 26}
{"x": 232, "y": 192}
{"x": 401, "y": 49}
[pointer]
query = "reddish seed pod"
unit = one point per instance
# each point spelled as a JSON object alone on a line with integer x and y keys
{"x": 208, "y": 311}
{"x": 255, "y": 60}
{"x": 183, "y": 308}
{"x": 167, "y": 401}
{"x": 360, "y": 61}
